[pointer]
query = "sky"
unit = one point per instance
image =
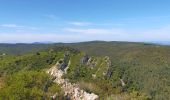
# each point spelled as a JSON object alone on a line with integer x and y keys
{"x": 27, "y": 21}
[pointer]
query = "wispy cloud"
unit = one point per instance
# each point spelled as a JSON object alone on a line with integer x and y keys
{"x": 11, "y": 26}
{"x": 157, "y": 34}
{"x": 52, "y": 17}
{"x": 80, "y": 23}
{"x": 96, "y": 31}
{"x": 38, "y": 37}
{"x": 88, "y": 34}
{"x": 145, "y": 20}
{"x": 17, "y": 27}
{"x": 76, "y": 23}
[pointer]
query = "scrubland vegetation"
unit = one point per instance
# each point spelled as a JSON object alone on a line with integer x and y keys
{"x": 97, "y": 67}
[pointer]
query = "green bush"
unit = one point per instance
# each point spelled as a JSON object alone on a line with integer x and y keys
{"x": 28, "y": 85}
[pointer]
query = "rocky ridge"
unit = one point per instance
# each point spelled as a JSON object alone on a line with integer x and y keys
{"x": 72, "y": 90}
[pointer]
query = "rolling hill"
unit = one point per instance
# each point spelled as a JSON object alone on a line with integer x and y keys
{"x": 125, "y": 70}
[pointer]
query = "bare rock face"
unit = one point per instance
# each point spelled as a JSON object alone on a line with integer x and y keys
{"x": 91, "y": 62}
{"x": 122, "y": 82}
{"x": 84, "y": 59}
{"x": 109, "y": 64}
{"x": 71, "y": 90}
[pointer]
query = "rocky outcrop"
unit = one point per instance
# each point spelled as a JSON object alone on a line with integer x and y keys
{"x": 63, "y": 63}
{"x": 84, "y": 59}
{"x": 72, "y": 91}
{"x": 92, "y": 62}
{"x": 122, "y": 82}
{"x": 109, "y": 67}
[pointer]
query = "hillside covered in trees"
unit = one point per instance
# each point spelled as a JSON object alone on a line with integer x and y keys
{"x": 111, "y": 70}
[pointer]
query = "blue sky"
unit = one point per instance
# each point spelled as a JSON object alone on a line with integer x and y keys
{"x": 84, "y": 20}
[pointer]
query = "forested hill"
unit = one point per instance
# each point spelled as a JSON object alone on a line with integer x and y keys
{"x": 109, "y": 69}
{"x": 16, "y": 49}
{"x": 22, "y": 48}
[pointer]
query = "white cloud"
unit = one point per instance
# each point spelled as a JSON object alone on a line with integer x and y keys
{"x": 80, "y": 23}
{"x": 87, "y": 31}
{"x": 160, "y": 34}
{"x": 94, "y": 24}
{"x": 79, "y": 34}
{"x": 11, "y": 26}
{"x": 17, "y": 27}
{"x": 38, "y": 37}
{"x": 95, "y": 31}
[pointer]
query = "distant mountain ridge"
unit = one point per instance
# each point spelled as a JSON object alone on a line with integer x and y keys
{"x": 21, "y": 48}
